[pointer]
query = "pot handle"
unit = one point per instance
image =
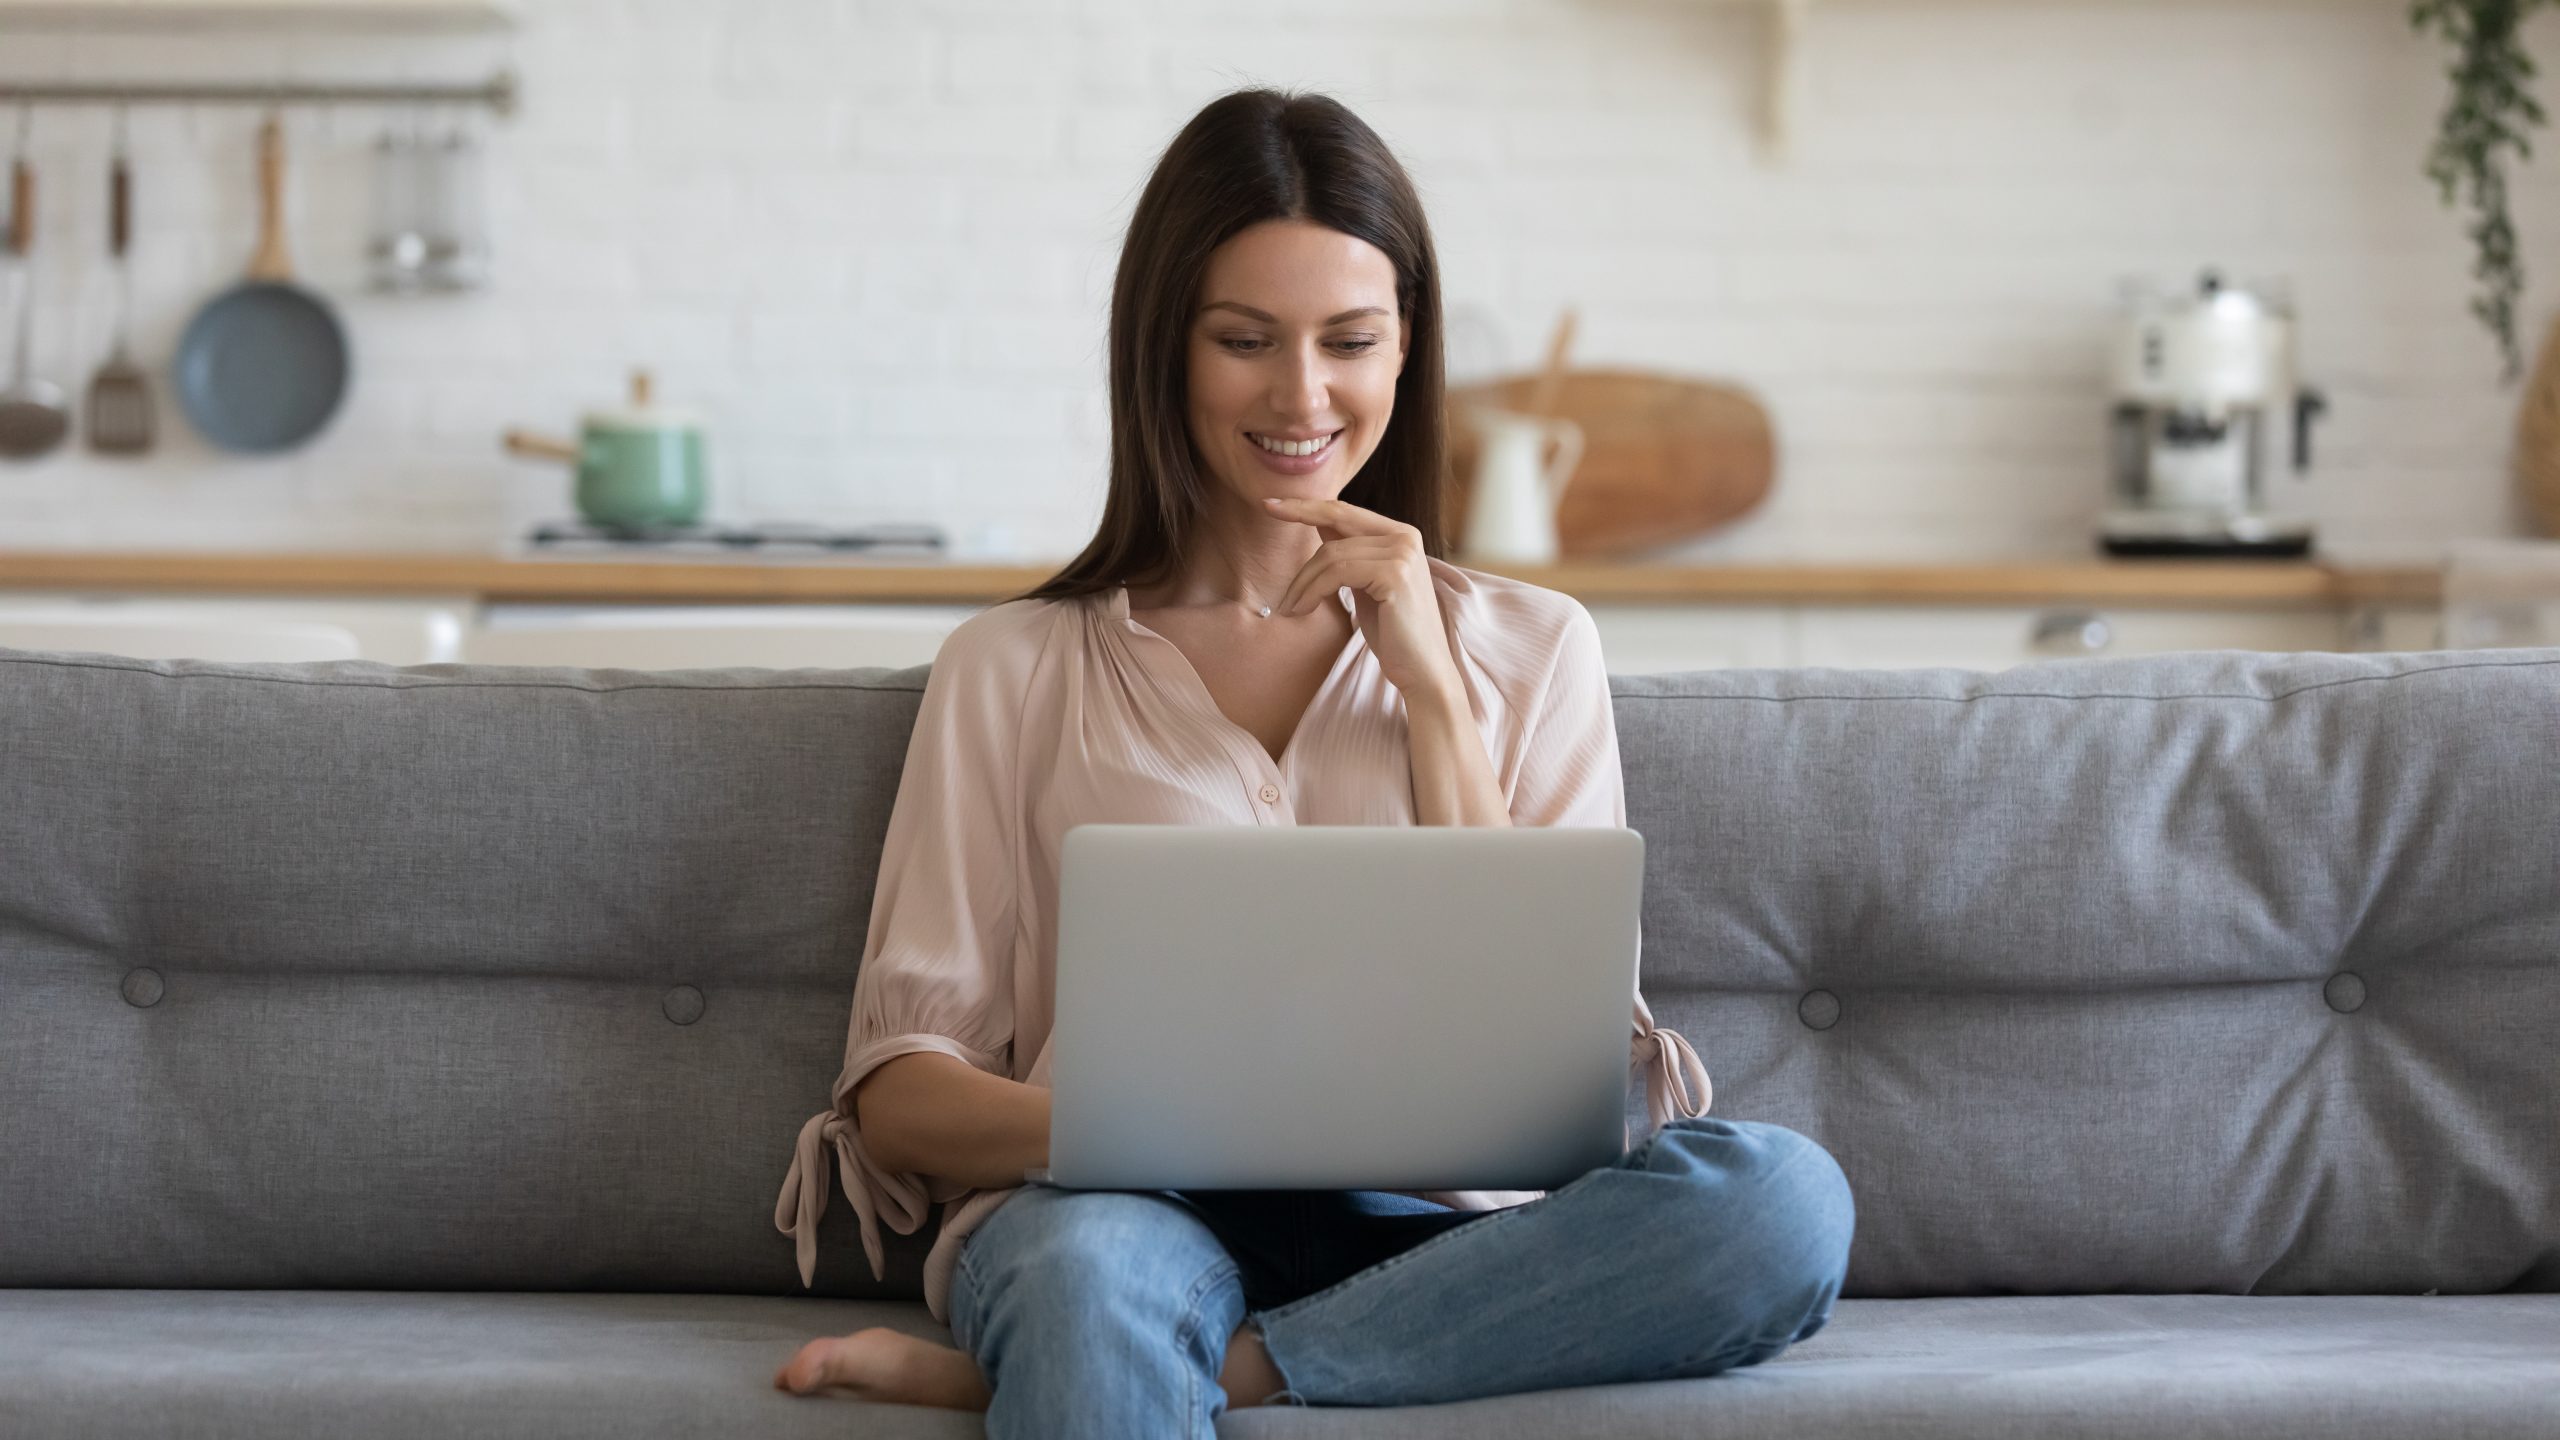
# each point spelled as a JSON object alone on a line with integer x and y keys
{"x": 540, "y": 447}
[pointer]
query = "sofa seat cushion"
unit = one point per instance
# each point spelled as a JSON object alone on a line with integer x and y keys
{"x": 2102, "y": 1367}
{"x": 281, "y": 1364}
{"x": 402, "y": 1365}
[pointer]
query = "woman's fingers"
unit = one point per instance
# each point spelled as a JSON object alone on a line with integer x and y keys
{"x": 1342, "y": 515}
{"x": 1316, "y": 570}
{"x": 1368, "y": 549}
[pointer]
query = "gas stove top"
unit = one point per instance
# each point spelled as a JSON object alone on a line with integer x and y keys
{"x": 763, "y": 536}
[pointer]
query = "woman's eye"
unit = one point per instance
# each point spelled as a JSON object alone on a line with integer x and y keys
{"x": 1248, "y": 347}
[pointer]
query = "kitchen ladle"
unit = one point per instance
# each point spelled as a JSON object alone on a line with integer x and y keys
{"x": 33, "y": 415}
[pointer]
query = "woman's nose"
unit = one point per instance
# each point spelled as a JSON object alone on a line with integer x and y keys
{"x": 1299, "y": 390}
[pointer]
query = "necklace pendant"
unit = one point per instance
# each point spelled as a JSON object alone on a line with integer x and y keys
{"x": 1266, "y": 612}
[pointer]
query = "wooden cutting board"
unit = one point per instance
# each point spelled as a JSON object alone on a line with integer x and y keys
{"x": 1665, "y": 458}
{"x": 2538, "y": 437}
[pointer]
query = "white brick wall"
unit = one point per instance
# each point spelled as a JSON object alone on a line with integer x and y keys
{"x": 874, "y": 241}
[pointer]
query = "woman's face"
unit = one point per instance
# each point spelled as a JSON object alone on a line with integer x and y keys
{"x": 1296, "y": 339}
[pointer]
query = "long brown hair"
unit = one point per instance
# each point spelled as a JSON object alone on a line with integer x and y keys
{"x": 1247, "y": 157}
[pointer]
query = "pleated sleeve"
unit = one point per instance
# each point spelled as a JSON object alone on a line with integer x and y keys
{"x": 1569, "y": 775}
{"x": 937, "y": 961}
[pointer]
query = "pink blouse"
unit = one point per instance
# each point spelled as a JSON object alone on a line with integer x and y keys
{"x": 1039, "y": 715}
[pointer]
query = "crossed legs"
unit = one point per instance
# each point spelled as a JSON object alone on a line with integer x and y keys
{"x": 1712, "y": 1244}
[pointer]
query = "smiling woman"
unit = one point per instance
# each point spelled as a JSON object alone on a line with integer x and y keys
{"x": 1275, "y": 330}
{"x": 1263, "y": 632}
{"x": 1290, "y": 387}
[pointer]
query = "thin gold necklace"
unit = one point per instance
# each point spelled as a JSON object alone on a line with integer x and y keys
{"x": 1263, "y": 612}
{"x": 1260, "y": 612}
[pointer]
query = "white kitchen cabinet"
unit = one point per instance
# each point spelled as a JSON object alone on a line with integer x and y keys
{"x": 1997, "y": 637}
{"x": 1653, "y": 639}
{"x": 407, "y": 631}
{"x": 1647, "y": 638}
{"x": 1634, "y": 639}
{"x": 2395, "y": 627}
{"x": 1663, "y": 638}
{"x": 654, "y": 637}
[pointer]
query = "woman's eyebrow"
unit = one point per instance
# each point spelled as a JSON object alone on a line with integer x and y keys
{"x": 1274, "y": 320}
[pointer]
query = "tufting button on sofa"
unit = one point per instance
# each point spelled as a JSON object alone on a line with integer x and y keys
{"x": 142, "y": 988}
{"x": 2344, "y": 992}
{"x": 1819, "y": 1009}
{"x": 683, "y": 1005}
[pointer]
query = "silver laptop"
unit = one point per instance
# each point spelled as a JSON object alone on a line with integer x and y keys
{"x": 1372, "y": 1007}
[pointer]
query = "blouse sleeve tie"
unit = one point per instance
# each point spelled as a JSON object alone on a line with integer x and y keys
{"x": 804, "y": 1193}
{"x": 1675, "y": 1081}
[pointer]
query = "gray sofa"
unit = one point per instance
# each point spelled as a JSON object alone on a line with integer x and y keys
{"x": 417, "y": 1051}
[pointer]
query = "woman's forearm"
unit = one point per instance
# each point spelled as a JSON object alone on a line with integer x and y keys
{"x": 1453, "y": 780}
{"x": 936, "y": 1114}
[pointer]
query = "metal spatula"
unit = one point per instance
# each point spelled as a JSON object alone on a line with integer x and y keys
{"x": 119, "y": 393}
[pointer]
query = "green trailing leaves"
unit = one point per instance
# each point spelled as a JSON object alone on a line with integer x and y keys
{"x": 2491, "y": 113}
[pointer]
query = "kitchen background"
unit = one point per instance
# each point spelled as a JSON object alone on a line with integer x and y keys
{"x": 872, "y": 243}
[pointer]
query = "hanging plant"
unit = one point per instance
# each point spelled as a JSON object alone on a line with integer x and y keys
{"x": 2491, "y": 111}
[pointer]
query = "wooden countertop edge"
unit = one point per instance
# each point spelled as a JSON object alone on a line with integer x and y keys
{"x": 613, "y": 579}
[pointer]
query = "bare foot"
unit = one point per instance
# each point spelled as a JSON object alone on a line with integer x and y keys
{"x": 1249, "y": 1377}
{"x": 888, "y": 1365}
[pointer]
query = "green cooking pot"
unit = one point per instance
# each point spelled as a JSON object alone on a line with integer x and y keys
{"x": 638, "y": 468}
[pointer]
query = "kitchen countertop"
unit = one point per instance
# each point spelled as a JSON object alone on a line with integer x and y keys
{"x": 662, "y": 579}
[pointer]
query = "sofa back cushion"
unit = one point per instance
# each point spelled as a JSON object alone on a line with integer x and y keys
{"x": 2218, "y": 972}
{"x": 2224, "y": 971}
{"x": 447, "y": 976}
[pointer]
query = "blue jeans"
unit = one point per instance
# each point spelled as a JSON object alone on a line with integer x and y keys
{"x": 1106, "y": 1313}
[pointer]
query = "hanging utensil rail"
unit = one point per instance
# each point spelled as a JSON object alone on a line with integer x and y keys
{"x": 498, "y": 92}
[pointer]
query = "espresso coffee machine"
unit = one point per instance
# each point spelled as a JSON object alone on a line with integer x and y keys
{"x": 2204, "y": 390}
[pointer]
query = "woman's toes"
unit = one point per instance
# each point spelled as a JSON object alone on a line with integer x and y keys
{"x": 831, "y": 1362}
{"x": 807, "y": 1370}
{"x": 888, "y": 1365}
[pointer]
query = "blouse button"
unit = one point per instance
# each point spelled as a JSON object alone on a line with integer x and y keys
{"x": 1270, "y": 793}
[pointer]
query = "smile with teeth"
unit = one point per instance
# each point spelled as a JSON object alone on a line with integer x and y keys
{"x": 1292, "y": 447}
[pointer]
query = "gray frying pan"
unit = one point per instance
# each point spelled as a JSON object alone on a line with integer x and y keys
{"x": 264, "y": 364}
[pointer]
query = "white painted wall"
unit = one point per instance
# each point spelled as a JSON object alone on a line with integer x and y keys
{"x": 874, "y": 241}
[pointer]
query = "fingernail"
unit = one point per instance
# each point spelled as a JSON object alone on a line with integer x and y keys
{"x": 1270, "y": 499}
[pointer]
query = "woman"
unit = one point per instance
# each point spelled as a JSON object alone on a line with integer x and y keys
{"x": 1262, "y": 633}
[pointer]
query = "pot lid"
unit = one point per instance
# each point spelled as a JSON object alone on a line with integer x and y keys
{"x": 641, "y": 414}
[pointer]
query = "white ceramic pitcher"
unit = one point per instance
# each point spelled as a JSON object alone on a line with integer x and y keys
{"x": 1511, "y": 513}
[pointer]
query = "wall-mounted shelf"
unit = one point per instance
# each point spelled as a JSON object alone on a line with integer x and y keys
{"x": 163, "y": 15}
{"x": 498, "y": 93}
{"x": 1783, "y": 76}
{"x": 1784, "y": 69}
